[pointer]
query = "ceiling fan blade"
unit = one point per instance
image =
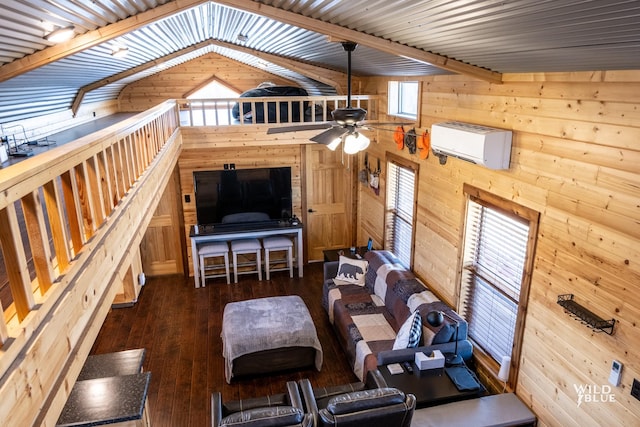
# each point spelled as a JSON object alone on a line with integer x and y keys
{"x": 376, "y": 123}
{"x": 329, "y": 135}
{"x": 298, "y": 128}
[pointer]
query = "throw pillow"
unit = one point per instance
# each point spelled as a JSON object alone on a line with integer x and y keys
{"x": 410, "y": 332}
{"x": 352, "y": 270}
{"x": 443, "y": 335}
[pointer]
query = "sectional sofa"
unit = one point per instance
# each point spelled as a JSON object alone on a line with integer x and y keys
{"x": 369, "y": 300}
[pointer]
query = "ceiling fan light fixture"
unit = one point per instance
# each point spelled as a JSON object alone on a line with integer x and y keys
{"x": 60, "y": 35}
{"x": 348, "y": 115}
{"x": 334, "y": 144}
{"x": 355, "y": 142}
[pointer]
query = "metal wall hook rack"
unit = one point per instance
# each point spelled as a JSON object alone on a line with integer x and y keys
{"x": 586, "y": 316}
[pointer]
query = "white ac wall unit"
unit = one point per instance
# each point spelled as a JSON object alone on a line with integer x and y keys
{"x": 489, "y": 147}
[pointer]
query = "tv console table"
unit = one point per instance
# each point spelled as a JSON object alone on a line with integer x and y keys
{"x": 227, "y": 232}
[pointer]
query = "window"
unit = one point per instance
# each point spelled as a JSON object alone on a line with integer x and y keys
{"x": 403, "y": 99}
{"x": 205, "y": 110}
{"x": 400, "y": 208}
{"x": 214, "y": 89}
{"x": 497, "y": 258}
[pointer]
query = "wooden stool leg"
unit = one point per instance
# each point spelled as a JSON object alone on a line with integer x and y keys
{"x": 290, "y": 258}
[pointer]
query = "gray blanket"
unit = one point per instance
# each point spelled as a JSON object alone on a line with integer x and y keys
{"x": 266, "y": 324}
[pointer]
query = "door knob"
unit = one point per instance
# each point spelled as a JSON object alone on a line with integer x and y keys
{"x": 310, "y": 211}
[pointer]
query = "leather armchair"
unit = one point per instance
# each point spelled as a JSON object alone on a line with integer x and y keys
{"x": 279, "y": 410}
{"x": 356, "y": 405}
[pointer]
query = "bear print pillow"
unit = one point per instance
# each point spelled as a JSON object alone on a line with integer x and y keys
{"x": 351, "y": 271}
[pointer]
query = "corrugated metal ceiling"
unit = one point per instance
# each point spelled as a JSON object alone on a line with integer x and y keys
{"x": 503, "y": 36}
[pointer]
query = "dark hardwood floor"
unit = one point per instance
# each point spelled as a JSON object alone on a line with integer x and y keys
{"x": 179, "y": 326}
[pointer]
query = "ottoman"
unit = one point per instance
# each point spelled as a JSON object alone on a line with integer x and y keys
{"x": 267, "y": 335}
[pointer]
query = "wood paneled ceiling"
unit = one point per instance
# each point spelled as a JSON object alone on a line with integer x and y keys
{"x": 296, "y": 39}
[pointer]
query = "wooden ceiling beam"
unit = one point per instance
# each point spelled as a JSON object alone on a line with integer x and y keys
{"x": 371, "y": 41}
{"x": 93, "y": 38}
{"x": 329, "y": 77}
{"x": 75, "y": 106}
{"x": 332, "y": 78}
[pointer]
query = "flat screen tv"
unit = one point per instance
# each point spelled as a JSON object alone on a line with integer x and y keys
{"x": 243, "y": 195}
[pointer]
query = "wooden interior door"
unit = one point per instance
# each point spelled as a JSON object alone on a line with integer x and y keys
{"x": 329, "y": 203}
{"x": 161, "y": 248}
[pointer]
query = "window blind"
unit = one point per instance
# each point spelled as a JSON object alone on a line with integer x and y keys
{"x": 399, "y": 211}
{"x": 494, "y": 260}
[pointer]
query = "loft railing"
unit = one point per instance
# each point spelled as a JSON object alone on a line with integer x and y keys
{"x": 77, "y": 213}
{"x": 310, "y": 109}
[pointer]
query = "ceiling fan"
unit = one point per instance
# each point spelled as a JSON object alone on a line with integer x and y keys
{"x": 346, "y": 121}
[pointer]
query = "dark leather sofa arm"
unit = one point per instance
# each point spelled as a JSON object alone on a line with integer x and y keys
{"x": 330, "y": 269}
{"x": 375, "y": 379}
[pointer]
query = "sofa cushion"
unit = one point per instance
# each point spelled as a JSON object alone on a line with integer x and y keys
{"x": 392, "y": 283}
{"x": 269, "y": 416}
{"x": 352, "y": 270}
{"x": 376, "y": 260}
{"x": 410, "y": 332}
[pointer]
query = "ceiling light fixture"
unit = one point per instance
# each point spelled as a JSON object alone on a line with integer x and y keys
{"x": 242, "y": 37}
{"x": 353, "y": 142}
{"x": 60, "y": 35}
{"x": 334, "y": 144}
{"x": 120, "y": 52}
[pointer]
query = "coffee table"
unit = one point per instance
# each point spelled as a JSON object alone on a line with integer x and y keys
{"x": 431, "y": 386}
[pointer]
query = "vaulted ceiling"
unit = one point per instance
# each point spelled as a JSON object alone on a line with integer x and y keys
{"x": 297, "y": 40}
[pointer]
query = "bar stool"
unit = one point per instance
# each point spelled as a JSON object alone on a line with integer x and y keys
{"x": 278, "y": 243}
{"x": 246, "y": 246}
{"x": 213, "y": 250}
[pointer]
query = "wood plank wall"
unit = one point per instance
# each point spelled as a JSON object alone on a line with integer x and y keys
{"x": 575, "y": 157}
{"x": 163, "y": 250}
{"x": 246, "y": 147}
{"x": 178, "y": 82}
{"x": 206, "y": 148}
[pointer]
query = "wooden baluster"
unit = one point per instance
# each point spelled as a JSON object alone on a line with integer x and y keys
{"x": 15, "y": 262}
{"x": 73, "y": 212}
{"x": 55, "y": 213}
{"x": 83, "y": 197}
{"x": 38, "y": 240}
{"x": 96, "y": 197}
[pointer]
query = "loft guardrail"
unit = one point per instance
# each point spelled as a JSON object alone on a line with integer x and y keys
{"x": 289, "y": 109}
{"x": 71, "y": 220}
